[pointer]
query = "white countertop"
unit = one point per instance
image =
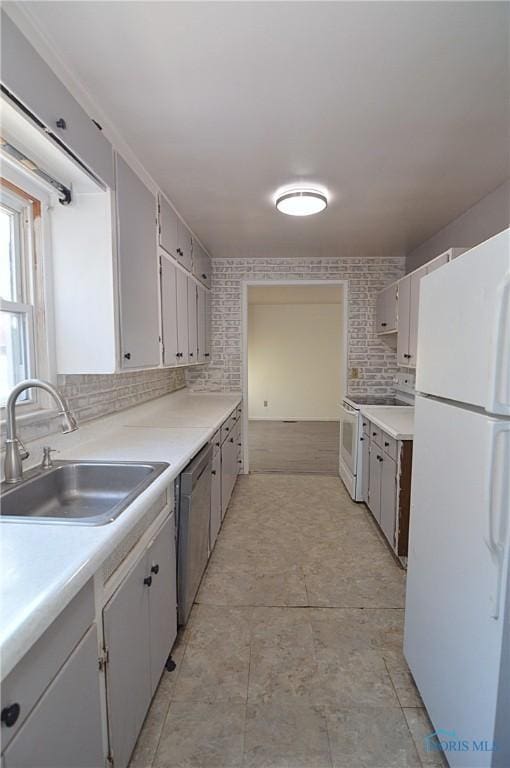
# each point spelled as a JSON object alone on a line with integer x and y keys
{"x": 395, "y": 420}
{"x": 44, "y": 566}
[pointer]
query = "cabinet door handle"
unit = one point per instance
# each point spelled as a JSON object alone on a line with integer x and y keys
{"x": 155, "y": 568}
{"x": 374, "y": 434}
{"x": 128, "y": 355}
{"x": 207, "y": 354}
{"x": 361, "y": 439}
{"x": 148, "y": 581}
{"x": 61, "y": 123}
{"x": 213, "y": 472}
{"x": 231, "y": 439}
{"x": 191, "y": 354}
{"x": 386, "y": 445}
{"x": 10, "y": 714}
{"x": 384, "y": 325}
{"x": 204, "y": 277}
{"x": 239, "y": 461}
{"x": 407, "y": 356}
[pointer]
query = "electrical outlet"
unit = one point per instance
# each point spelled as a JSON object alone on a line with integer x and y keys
{"x": 354, "y": 373}
{"x": 265, "y": 403}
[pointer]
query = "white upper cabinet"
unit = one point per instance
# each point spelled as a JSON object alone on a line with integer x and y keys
{"x": 403, "y": 310}
{"x": 184, "y": 246}
{"x": 192, "y": 322}
{"x": 182, "y": 317}
{"x": 174, "y": 236}
{"x": 31, "y": 81}
{"x": 208, "y": 326}
{"x": 408, "y": 302}
{"x": 168, "y": 272}
{"x": 201, "y": 264}
{"x": 416, "y": 278}
{"x": 386, "y": 310}
{"x": 397, "y": 308}
{"x": 138, "y": 270}
{"x": 202, "y": 322}
{"x": 168, "y": 227}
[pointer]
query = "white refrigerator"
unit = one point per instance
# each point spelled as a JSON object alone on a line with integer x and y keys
{"x": 457, "y": 619}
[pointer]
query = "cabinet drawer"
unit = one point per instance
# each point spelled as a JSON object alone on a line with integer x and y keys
{"x": 227, "y": 427}
{"x": 375, "y": 435}
{"x": 216, "y": 441}
{"x": 33, "y": 674}
{"x": 389, "y": 445}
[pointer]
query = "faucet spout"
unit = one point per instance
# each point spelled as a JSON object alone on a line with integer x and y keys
{"x": 15, "y": 451}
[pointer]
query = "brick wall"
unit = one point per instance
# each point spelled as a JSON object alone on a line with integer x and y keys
{"x": 93, "y": 396}
{"x": 375, "y": 361}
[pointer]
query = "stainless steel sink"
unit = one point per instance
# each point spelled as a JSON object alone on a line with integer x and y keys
{"x": 78, "y": 492}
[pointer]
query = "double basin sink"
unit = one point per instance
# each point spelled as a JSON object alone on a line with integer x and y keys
{"x": 78, "y": 492}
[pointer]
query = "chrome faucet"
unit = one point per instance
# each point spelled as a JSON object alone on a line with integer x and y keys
{"x": 15, "y": 451}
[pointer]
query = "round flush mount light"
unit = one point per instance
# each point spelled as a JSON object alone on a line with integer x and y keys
{"x": 301, "y": 202}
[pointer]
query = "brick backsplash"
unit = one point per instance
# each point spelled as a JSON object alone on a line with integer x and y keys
{"x": 93, "y": 396}
{"x": 375, "y": 361}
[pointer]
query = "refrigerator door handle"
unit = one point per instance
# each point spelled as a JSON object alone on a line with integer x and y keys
{"x": 497, "y": 519}
{"x": 499, "y": 384}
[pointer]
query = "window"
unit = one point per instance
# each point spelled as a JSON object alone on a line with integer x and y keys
{"x": 18, "y": 293}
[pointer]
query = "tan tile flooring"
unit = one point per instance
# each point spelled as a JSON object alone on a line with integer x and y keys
{"x": 292, "y": 657}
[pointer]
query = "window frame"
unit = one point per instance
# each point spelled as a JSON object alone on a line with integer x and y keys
{"x": 35, "y": 204}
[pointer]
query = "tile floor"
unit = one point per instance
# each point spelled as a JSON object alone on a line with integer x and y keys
{"x": 292, "y": 656}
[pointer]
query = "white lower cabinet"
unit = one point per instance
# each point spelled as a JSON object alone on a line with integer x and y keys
{"x": 216, "y": 515}
{"x": 161, "y": 561}
{"x": 140, "y": 626}
{"x": 64, "y": 729}
{"x": 386, "y": 482}
{"x": 388, "y": 506}
{"x": 374, "y": 481}
{"x": 366, "y": 466}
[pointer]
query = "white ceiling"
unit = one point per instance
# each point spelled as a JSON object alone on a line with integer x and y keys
{"x": 400, "y": 109}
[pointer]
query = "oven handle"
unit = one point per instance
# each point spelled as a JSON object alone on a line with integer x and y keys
{"x": 347, "y": 409}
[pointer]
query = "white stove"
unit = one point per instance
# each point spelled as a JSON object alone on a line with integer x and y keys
{"x": 351, "y": 430}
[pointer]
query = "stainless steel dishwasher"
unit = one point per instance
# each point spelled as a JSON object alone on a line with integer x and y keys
{"x": 193, "y": 492}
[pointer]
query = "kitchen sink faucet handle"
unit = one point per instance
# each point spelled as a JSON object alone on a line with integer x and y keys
{"x": 47, "y": 462}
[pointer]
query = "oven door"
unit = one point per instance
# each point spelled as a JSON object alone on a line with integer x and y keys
{"x": 349, "y": 438}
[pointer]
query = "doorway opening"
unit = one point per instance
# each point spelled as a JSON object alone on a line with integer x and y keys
{"x": 295, "y": 368}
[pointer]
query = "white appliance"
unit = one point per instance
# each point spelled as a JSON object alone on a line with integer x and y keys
{"x": 457, "y": 620}
{"x": 350, "y": 467}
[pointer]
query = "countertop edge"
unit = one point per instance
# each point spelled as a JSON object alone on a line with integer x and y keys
{"x": 37, "y": 620}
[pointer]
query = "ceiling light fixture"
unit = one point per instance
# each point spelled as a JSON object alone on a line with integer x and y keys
{"x": 301, "y": 202}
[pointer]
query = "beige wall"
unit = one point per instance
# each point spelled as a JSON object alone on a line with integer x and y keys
{"x": 295, "y": 360}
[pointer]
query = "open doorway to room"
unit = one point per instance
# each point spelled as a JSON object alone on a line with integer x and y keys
{"x": 295, "y": 372}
